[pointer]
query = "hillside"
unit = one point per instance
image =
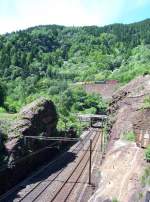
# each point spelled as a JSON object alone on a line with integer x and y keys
{"x": 129, "y": 108}
{"x": 46, "y": 60}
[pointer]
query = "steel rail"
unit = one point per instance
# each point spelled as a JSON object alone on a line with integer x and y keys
{"x": 90, "y": 133}
{"x": 73, "y": 150}
{"x": 14, "y": 189}
{"x": 79, "y": 175}
{"x": 73, "y": 171}
{"x": 53, "y": 138}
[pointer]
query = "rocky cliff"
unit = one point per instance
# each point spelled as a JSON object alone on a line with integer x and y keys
{"x": 37, "y": 118}
{"x": 127, "y": 109}
{"x": 123, "y": 168}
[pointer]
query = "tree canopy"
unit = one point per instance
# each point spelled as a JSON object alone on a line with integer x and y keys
{"x": 2, "y": 93}
{"x": 46, "y": 60}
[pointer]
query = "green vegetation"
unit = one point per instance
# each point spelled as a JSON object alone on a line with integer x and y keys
{"x": 145, "y": 179}
{"x": 138, "y": 63}
{"x": 129, "y": 136}
{"x": 4, "y": 115}
{"x": 115, "y": 200}
{"x": 2, "y": 94}
{"x": 146, "y": 102}
{"x": 2, "y": 110}
{"x": 140, "y": 195}
{"x": 74, "y": 100}
{"x": 47, "y": 60}
{"x": 147, "y": 153}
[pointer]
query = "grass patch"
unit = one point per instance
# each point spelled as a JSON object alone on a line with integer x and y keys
{"x": 145, "y": 179}
{"x": 7, "y": 116}
{"x": 115, "y": 200}
{"x": 146, "y": 103}
{"x": 129, "y": 136}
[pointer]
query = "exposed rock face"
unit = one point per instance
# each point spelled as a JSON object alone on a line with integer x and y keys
{"x": 124, "y": 163}
{"x": 141, "y": 122}
{"x": 121, "y": 174}
{"x": 37, "y": 118}
{"x": 126, "y": 107}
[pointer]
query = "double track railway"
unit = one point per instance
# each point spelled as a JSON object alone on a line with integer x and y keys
{"x": 57, "y": 181}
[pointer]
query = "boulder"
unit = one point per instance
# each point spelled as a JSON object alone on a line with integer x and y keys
{"x": 38, "y": 117}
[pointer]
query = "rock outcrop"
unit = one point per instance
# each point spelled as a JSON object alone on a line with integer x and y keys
{"x": 37, "y": 118}
{"x": 121, "y": 171}
{"x": 141, "y": 122}
{"x": 127, "y": 108}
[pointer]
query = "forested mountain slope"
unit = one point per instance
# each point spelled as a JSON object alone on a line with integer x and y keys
{"x": 44, "y": 60}
{"x": 43, "y": 50}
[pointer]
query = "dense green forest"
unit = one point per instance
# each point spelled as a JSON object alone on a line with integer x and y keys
{"x": 46, "y": 60}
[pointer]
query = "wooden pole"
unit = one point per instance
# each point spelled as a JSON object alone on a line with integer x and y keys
{"x": 90, "y": 162}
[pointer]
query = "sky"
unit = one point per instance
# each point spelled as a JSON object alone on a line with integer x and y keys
{"x": 21, "y": 14}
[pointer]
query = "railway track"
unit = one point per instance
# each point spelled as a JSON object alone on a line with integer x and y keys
{"x": 66, "y": 188}
{"x": 53, "y": 183}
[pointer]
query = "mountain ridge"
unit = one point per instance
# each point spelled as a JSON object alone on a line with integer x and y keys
{"x": 64, "y": 26}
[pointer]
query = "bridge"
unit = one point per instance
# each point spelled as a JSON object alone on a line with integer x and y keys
{"x": 95, "y": 120}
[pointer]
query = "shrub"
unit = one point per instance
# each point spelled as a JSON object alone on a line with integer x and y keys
{"x": 2, "y": 110}
{"x": 147, "y": 153}
{"x": 115, "y": 200}
{"x": 130, "y": 136}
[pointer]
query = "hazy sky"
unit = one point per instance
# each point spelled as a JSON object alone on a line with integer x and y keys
{"x": 20, "y": 14}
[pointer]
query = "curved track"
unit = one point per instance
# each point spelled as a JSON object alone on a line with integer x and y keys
{"x": 66, "y": 188}
{"x": 54, "y": 178}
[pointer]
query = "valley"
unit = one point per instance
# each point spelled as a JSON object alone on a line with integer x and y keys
{"x": 48, "y": 76}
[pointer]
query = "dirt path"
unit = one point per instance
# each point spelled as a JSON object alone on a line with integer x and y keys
{"x": 120, "y": 173}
